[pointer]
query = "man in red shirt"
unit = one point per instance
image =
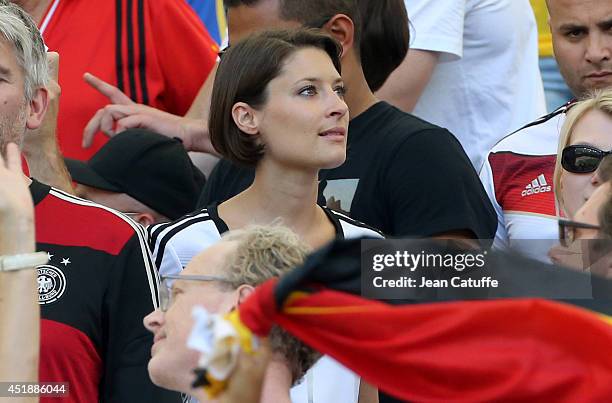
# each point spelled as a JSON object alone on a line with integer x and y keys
{"x": 99, "y": 281}
{"x": 147, "y": 48}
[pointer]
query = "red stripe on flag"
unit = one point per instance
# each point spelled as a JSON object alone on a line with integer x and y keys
{"x": 533, "y": 350}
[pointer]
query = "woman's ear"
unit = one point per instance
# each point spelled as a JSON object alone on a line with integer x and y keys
{"x": 245, "y": 118}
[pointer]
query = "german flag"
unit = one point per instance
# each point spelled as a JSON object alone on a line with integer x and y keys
{"x": 521, "y": 349}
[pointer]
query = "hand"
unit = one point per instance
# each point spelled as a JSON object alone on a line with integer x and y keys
{"x": 122, "y": 113}
{"x": 246, "y": 382}
{"x": 16, "y": 207}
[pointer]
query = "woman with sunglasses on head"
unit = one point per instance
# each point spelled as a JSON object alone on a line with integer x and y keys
{"x": 278, "y": 106}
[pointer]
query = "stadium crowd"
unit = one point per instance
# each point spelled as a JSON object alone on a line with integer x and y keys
{"x": 147, "y": 171}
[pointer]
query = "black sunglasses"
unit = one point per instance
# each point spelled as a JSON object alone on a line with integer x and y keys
{"x": 582, "y": 159}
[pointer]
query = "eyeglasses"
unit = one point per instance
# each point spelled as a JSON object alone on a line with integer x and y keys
{"x": 567, "y": 230}
{"x": 165, "y": 291}
{"x": 582, "y": 159}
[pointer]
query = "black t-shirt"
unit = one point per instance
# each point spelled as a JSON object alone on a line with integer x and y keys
{"x": 403, "y": 176}
{"x": 99, "y": 283}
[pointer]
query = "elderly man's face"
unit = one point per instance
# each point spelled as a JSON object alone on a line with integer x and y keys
{"x": 582, "y": 42}
{"x": 13, "y": 105}
{"x": 171, "y": 361}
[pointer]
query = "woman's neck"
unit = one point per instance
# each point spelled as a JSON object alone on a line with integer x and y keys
{"x": 276, "y": 192}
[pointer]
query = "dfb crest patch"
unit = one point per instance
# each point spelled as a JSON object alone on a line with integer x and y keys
{"x": 51, "y": 284}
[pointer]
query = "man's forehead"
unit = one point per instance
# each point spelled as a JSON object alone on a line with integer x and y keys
{"x": 580, "y": 11}
{"x": 8, "y": 62}
{"x": 246, "y": 20}
{"x": 7, "y": 50}
{"x": 212, "y": 261}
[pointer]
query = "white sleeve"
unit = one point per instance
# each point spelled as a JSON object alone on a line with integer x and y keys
{"x": 501, "y": 235}
{"x": 438, "y": 25}
{"x": 162, "y": 250}
{"x": 170, "y": 263}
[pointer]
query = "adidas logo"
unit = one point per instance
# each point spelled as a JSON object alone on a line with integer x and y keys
{"x": 538, "y": 185}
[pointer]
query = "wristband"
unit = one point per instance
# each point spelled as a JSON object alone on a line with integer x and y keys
{"x": 23, "y": 261}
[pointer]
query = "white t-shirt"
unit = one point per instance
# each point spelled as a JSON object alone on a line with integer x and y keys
{"x": 518, "y": 177}
{"x": 487, "y": 82}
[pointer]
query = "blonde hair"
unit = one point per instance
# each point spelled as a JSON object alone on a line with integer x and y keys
{"x": 261, "y": 253}
{"x": 598, "y": 100}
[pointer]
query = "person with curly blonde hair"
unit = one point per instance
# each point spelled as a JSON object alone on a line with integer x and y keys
{"x": 221, "y": 278}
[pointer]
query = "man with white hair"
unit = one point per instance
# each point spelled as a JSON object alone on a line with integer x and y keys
{"x": 220, "y": 279}
{"x": 99, "y": 281}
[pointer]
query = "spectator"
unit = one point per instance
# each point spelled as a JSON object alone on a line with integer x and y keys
{"x": 393, "y": 158}
{"x": 384, "y": 39}
{"x": 146, "y": 48}
{"x": 99, "y": 281}
{"x": 518, "y": 173}
{"x": 284, "y": 114}
{"x": 40, "y": 148}
{"x": 586, "y": 137}
{"x": 146, "y": 175}
{"x": 220, "y": 278}
{"x": 555, "y": 89}
{"x": 472, "y": 68}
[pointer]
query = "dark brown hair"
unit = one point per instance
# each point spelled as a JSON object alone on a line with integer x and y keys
{"x": 312, "y": 13}
{"x": 385, "y": 37}
{"x": 243, "y": 75}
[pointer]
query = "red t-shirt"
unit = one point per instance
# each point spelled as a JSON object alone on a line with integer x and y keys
{"x": 156, "y": 51}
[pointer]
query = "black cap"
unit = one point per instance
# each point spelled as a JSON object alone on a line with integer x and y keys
{"x": 153, "y": 169}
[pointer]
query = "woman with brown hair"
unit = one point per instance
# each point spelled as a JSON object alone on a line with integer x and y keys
{"x": 277, "y": 106}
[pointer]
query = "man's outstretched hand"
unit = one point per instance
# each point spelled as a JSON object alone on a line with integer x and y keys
{"x": 122, "y": 113}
